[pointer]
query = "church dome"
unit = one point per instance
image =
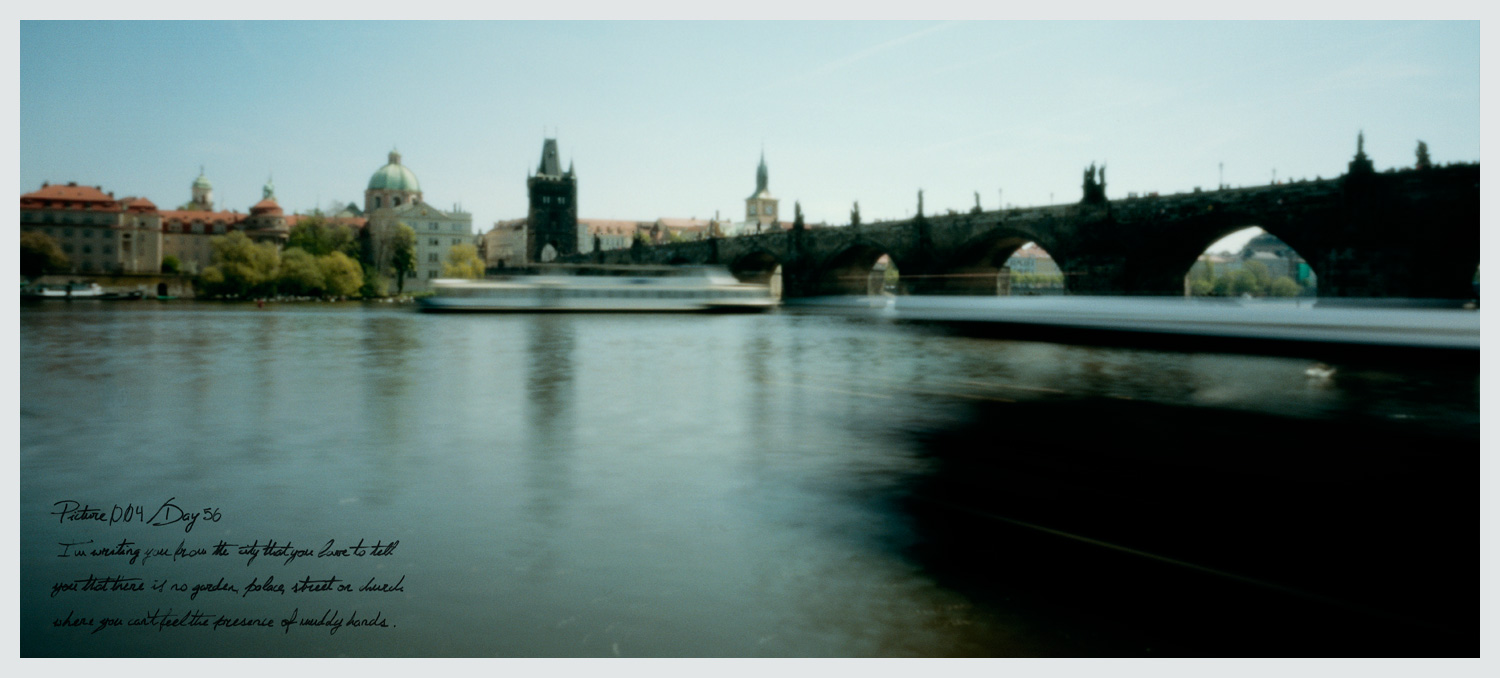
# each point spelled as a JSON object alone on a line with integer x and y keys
{"x": 202, "y": 182}
{"x": 394, "y": 177}
{"x": 267, "y": 207}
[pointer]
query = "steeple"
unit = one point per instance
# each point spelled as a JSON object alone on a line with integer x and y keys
{"x": 762, "y": 183}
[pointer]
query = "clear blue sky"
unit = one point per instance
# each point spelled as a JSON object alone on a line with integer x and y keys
{"x": 669, "y": 118}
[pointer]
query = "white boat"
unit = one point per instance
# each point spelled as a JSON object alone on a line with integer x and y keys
{"x": 651, "y": 289}
{"x": 65, "y": 291}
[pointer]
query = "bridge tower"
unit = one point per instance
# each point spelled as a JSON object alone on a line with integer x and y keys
{"x": 552, "y": 216}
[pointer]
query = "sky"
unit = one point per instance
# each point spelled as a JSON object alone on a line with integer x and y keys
{"x": 669, "y": 119}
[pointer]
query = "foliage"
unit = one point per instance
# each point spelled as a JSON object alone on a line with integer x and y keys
{"x": 374, "y": 284}
{"x": 342, "y": 276}
{"x": 241, "y": 268}
{"x": 40, "y": 255}
{"x": 1284, "y": 287}
{"x": 171, "y": 264}
{"x": 316, "y": 236}
{"x": 854, "y": 215}
{"x": 463, "y": 262}
{"x": 1253, "y": 278}
{"x": 1036, "y": 280}
{"x": 403, "y": 254}
{"x": 1424, "y": 161}
{"x": 299, "y": 274}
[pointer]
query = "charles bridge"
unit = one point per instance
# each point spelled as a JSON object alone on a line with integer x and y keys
{"x": 1408, "y": 233}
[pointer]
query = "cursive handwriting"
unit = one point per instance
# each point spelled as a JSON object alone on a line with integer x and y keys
{"x": 168, "y": 513}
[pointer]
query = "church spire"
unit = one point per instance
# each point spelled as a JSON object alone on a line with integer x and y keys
{"x": 762, "y": 181}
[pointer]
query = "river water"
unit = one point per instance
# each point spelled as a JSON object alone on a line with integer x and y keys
{"x": 789, "y": 484}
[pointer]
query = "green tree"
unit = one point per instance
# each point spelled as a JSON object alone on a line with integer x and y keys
{"x": 342, "y": 276}
{"x": 171, "y": 264}
{"x": 318, "y": 237}
{"x": 1284, "y": 287}
{"x": 403, "y": 254}
{"x": 463, "y": 262}
{"x": 1201, "y": 287}
{"x": 241, "y": 267}
{"x": 375, "y": 284}
{"x": 854, "y": 215}
{"x": 40, "y": 255}
{"x": 299, "y": 274}
{"x": 1260, "y": 274}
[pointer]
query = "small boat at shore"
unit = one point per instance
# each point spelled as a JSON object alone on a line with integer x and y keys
{"x": 617, "y": 289}
{"x": 64, "y": 291}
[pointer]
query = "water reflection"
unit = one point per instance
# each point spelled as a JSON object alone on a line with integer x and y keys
{"x": 781, "y": 485}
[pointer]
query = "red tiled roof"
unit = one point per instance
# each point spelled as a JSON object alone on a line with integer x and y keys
{"x": 71, "y": 196}
{"x": 133, "y": 204}
{"x": 267, "y": 206}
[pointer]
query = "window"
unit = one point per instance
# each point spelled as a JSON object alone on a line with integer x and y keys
{"x": 377, "y": 202}
{"x": 546, "y": 200}
{"x": 88, "y": 232}
{"x": 752, "y": 210}
{"x": 218, "y": 228}
{"x": 68, "y": 232}
{"x": 68, "y": 248}
{"x": 458, "y": 241}
{"x": 432, "y": 226}
{"x": 105, "y": 250}
{"x": 88, "y": 249}
{"x": 432, "y": 257}
{"x": 562, "y": 200}
{"x": 197, "y": 228}
{"x": 431, "y": 274}
{"x": 396, "y": 201}
{"x": 433, "y": 242}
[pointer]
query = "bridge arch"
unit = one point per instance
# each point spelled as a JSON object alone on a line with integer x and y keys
{"x": 1249, "y": 261}
{"x": 987, "y": 265}
{"x": 759, "y": 267}
{"x": 852, "y": 270}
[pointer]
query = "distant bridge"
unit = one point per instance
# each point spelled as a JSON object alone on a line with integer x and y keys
{"x": 1410, "y": 233}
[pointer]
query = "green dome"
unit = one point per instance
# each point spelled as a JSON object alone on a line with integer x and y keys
{"x": 394, "y": 177}
{"x": 202, "y": 182}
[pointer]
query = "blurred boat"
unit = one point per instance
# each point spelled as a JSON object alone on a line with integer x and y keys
{"x": 644, "y": 289}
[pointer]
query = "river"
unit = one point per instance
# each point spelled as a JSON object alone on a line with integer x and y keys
{"x": 791, "y": 484}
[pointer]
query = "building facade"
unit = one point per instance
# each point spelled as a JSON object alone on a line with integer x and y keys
{"x": 98, "y": 233}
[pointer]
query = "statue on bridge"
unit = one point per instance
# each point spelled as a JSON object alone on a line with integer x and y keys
{"x": 1093, "y": 190}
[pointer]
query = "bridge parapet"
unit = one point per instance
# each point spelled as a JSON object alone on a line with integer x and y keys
{"x": 1362, "y": 238}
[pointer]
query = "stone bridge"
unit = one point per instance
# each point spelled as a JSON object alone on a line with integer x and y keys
{"x": 1410, "y": 233}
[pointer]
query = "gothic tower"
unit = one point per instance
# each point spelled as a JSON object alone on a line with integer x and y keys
{"x": 760, "y": 207}
{"x": 552, "y": 219}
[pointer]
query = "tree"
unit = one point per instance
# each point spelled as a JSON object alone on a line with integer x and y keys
{"x": 342, "y": 276}
{"x": 854, "y": 215}
{"x": 1424, "y": 161}
{"x": 1284, "y": 287}
{"x": 1260, "y": 274}
{"x": 374, "y": 284}
{"x": 40, "y": 255}
{"x": 171, "y": 264}
{"x": 403, "y": 254}
{"x": 977, "y": 209}
{"x": 463, "y": 262}
{"x": 240, "y": 268}
{"x": 299, "y": 274}
{"x": 316, "y": 236}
